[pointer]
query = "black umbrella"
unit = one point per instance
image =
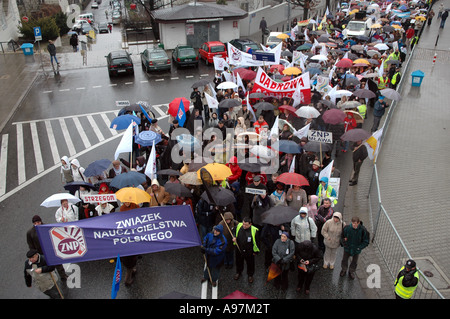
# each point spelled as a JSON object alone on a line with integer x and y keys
{"x": 222, "y": 196}
{"x": 74, "y": 186}
{"x": 177, "y": 189}
{"x": 227, "y": 103}
{"x": 278, "y": 215}
{"x": 97, "y": 167}
{"x": 364, "y": 94}
{"x": 315, "y": 147}
{"x": 200, "y": 83}
{"x": 257, "y": 95}
{"x": 170, "y": 172}
{"x": 357, "y": 134}
{"x": 265, "y": 106}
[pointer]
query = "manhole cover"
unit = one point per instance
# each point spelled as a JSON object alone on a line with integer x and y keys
{"x": 434, "y": 274}
{"x": 428, "y": 273}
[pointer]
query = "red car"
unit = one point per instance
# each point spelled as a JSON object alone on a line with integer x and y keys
{"x": 210, "y": 49}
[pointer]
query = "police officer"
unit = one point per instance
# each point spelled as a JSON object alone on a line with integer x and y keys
{"x": 406, "y": 281}
{"x": 247, "y": 241}
{"x": 396, "y": 78}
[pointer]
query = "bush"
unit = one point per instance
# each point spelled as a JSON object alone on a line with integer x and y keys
{"x": 61, "y": 22}
{"x": 49, "y": 28}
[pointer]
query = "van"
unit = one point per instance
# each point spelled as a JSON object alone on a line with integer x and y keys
{"x": 272, "y": 40}
{"x": 86, "y": 16}
{"x": 358, "y": 27}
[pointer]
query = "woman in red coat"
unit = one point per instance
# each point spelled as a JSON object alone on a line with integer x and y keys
{"x": 235, "y": 170}
{"x": 349, "y": 124}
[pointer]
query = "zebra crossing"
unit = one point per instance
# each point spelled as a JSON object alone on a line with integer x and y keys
{"x": 33, "y": 148}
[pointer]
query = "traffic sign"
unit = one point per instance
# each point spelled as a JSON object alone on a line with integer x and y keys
{"x": 37, "y": 33}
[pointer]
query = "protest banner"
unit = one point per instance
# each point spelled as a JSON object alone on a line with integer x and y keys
{"x": 133, "y": 232}
{"x": 320, "y": 136}
{"x": 265, "y": 84}
{"x": 99, "y": 198}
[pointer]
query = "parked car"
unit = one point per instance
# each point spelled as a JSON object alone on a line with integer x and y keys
{"x": 78, "y": 24}
{"x": 116, "y": 17}
{"x": 155, "y": 59}
{"x": 245, "y": 44}
{"x": 210, "y": 49}
{"x": 272, "y": 39}
{"x": 86, "y": 28}
{"x": 119, "y": 62}
{"x": 103, "y": 27}
{"x": 184, "y": 55}
{"x": 94, "y": 5}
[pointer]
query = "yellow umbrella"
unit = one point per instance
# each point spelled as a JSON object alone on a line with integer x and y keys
{"x": 283, "y": 36}
{"x": 361, "y": 61}
{"x": 421, "y": 18}
{"x": 396, "y": 26}
{"x": 219, "y": 172}
{"x": 132, "y": 195}
{"x": 376, "y": 26}
{"x": 292, "y": 71}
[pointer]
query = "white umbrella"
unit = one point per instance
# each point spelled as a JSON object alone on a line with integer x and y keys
{"x": 341, "y": 93}
{"x": 307, "y": 112}
{"x": 262, "y": 151}
{"x": 55, "y": 200}
{"x": 391, "y": 94}
{"x": 227, "y": 85}
{"x": 381, "y": 46}
{"x": 319, "y": 57}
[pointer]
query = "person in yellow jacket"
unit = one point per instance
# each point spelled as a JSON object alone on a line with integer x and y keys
{"x": 247, "y": 241}
{"x": 406, "y": 281}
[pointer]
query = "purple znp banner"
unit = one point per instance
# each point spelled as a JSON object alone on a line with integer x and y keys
{"x": 138, "y": 231}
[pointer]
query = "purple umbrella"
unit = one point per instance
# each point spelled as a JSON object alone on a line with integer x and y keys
{"x": 333, "y": 116}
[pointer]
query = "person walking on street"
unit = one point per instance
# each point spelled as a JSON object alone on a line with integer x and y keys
{"x": 283, "y": 251}
{"x": 213, "y": 247}
{"x": 355, "y": 238}
{"x": 444, "y": 17}
{"x": 52, "y": 51}
{"x": 262, "y": 27}
{"x": 74, "y": 42}
{"x": 247, "y": 240}
{"x": 43, "y": 276}
{"x": 359, "y": 155}
{"x": 406, "y": 281}
{"x": 308, "y": 257}
{"x": 378, "y": 111}
{"x": 430, "y": 16}
{"x": 331, "y": 232}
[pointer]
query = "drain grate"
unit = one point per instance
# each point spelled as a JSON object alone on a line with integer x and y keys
{"x": 432, "y": 271}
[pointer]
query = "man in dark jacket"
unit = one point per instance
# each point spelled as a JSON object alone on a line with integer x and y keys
{"x": 359, "y": 155}
{"x": 214, "y": 245}
{"x": 378, "y": 112}
{"x": 355, "y": 238}
{"x": 52, "y": 50}
{"x": 246, "y": 240}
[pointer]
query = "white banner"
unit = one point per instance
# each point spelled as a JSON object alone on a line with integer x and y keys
{"x": 237, "y": 57}
{"x": 99, "y": 198}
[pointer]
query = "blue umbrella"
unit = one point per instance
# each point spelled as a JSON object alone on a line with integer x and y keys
{"x": 129, "y": 179}
{"x": 144, "y": 111}
{"x": 313, "y": 71}
{"x": 123, "y": 121}
{"x": 188, "y": 141}
{"x": 97, "y": 167}
{"x": 287, "y": 146}
{"x": 146, "y": 138}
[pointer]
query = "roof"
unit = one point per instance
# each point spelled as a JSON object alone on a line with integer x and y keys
{"x": 198, "y": 11}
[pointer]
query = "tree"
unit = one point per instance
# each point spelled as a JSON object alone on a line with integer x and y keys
{"x": 49, "y": 28}
{"x": 307, "y": 5}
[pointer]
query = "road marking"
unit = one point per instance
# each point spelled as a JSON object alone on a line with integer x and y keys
{"x": 3, "y": 163}
{"x": 189, "y": 76}
{"x": 158, "y": 110}
{"x": 95, "y": 127}
{"x": 96, "y": 86}
{"x": 113, "y": 84}
{"x": 80, "y": 130}
{"x": 52, "y": 141}
{"x": 159, "y": 80}
{"x": 175, "y": 78}
{"x": 145, "y": 81}
{"x": 129, "y": 83}
{"x": 204, "y": 75}
{"x": 108, "y": 123}
{"x": 37, "y": 148}
{"x": 64, "y": 90}
{"x": 66, "y": 135}
{"x": 80, "y": 88}
{"x": 47, "y": 91}
{"x": 20, "y": 155}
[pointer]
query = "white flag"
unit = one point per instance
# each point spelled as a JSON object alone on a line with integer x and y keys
{"x": 126, "y": 143}
{"x": 249, "y": 107}
{"x": 373, "y": 144}
{"x": 274, "y": 130}
{"x": 303, "y": 132}
{"x": 381, "y": 69}
{"x": 220, "y": 63}
{"x": 326, "y": 172}
{"x": 292, "y": 167}
{"x": 212, "y": 102}
{"x": 240, "y": 83}
{"x": 150, "y": 169}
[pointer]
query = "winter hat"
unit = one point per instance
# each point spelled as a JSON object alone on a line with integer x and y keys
{"x": 410, "y": 264}
{"x": 36, "y": 218}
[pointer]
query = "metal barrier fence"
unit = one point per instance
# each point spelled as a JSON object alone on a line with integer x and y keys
{"x": 385, "y": 238}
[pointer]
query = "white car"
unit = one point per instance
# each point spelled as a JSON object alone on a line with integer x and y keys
{"x": 79, "y": 24}
{"x": 94, "y": 5}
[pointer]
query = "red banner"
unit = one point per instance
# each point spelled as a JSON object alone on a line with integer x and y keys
{"x": 300, "y": 84}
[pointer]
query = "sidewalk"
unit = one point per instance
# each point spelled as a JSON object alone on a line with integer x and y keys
{"x": 413, "y": 164}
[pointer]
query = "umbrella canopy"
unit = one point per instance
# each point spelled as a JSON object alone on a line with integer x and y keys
{"x": 146, "y": 138}
{"x": 258, "y": 95}
{"x": 190, "y": 178}
{"x": 278, "y": 215}
{"x": 239, "y": 295}
{"x": 262, "y": 151}
{"x": 274, "y": 271}
{"x": 175, "y": 104}
{"x": 128, "y": 179}
{"x": 350, "y": 105}
{"x": 222, "y": 196}
{"x": 177, "y": 189}
{"x": 123, "y": 121}
{"x": 307, "y": 112}
{"x": 344, "y": 63}
{"x": 363, "y": 61}
{"x": 381, "y": 46}
{"x": 290, "y": 108}
{"x": 287, "y": 146}
{"x": 293, "y": 179}
{"x": 170, "y": 172}
{"x": 282, "y": 36}
{"x": 365, "y": 94}
{"x": 304, "y": 47}
{"x": 356, "y": 115}
{"x": 319, "y": 57}
{"x": 391, "y": 94}
{"x": 264, "y": 106}
{"x": 200, "y": 83}
{"x": 315, "y": 147}
{"x": 219, "y": 172}
{"x": 74, "y": 186}
{"x": 356, "y": 134}
{"x": 188, "y": 141}
{"x": 279, "y": 67}
{"x": 133, "y": 195}
{"x": 227, "y": 85}
{"x": 97, "y": 168}
{"x": 227, "y": 103}
{"x": 55, "y": 200}
{"x": 292, "y": 71}
{"x": 245, "y": 74}
{"x": 251, "y": 166}
{"x": 333, "y": 116}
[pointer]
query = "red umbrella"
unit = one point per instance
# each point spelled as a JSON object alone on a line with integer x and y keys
{"x": 175, "y": 104}
{"x": 280, "y": 67}
{"x": 293, "y": 179}
{"x": 239, "y": 295}
{"x": 290, "y": 108}
{"x": 344, "y": 63}
{"x": 245, "y": 74}
{"x": 334, "y": 116}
